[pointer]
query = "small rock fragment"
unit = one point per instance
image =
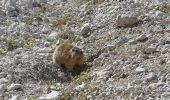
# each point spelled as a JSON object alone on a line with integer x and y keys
{"x": 85, "y": 30}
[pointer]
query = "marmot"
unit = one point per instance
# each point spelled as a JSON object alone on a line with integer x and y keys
{"x": 68, "y": 55}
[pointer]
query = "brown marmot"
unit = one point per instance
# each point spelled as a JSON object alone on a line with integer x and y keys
{"x": 68, "y": 55}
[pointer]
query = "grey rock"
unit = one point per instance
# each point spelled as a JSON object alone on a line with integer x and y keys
{"x": 151, "y": 49}
{"x": 133, "y": 41}
{"x": 140, "y": 69}
{"x": 36, "y": 35}
{"x": 53, "y": 35}
{"x": 14, "y": 86}
{"x": 10, "y": 8}
{"x": 125, "y": 21}
{"x": 3, "y": 81}
{"x": 85, "y": 30}
{"x": 47, "y": 44}
{"x": 54, "y": 95}
{"x": 142, "y": 38}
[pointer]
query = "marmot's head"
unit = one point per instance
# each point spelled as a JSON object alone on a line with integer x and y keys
{"x": 75, "y": 52}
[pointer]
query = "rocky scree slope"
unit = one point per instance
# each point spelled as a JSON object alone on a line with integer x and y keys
{"x": 126, "y": 43}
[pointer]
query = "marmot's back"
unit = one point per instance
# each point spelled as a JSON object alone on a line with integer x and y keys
{"x": 68, "y": 55}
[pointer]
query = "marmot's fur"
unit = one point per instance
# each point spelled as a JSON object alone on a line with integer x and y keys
{"x": 68, "y": 55}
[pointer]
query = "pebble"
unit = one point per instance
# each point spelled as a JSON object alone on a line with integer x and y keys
{"x": 47, "y": 44}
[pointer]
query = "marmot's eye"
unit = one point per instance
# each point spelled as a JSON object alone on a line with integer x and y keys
{"x": 75, "y": 49}
{"x": 81, "y": 52}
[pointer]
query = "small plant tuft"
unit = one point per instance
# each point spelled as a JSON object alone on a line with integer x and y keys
{"x": 11, "y": 44}
{"x": 90, "y": 56}
{"x": 82, "y": 78}
{"x": 120, "y": 74}
{"x": 165, "y": 9}
{"x": 28, "y": 43}
{"x": 38, "y": 19}
{"x": 2, "y": 51}
{"x": 66, "y": 94}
